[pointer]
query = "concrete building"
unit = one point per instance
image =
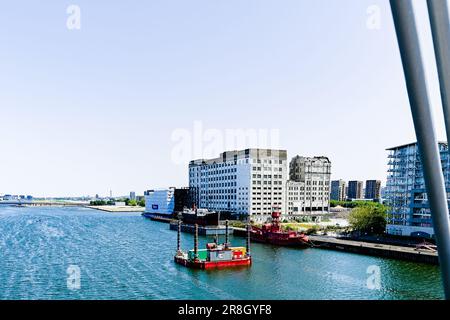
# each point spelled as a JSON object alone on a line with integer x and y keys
{"x": 294, "y": 203}
{"x": 355, "y": 190}
{"x": 132, "y": 195}
{"x": 373, "y": 190}
{"x": 409, "y": 212}
{"x": 160, "y": 201}
{"x": 309, "y": 185}
{"x": 338, "y": 190}
{"x": 166, "y": 201}
{"x": 248, "y": 182}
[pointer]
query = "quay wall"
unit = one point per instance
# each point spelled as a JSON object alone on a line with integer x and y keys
{"x": 378, "y": 250}
{"x": 366, "y": 248}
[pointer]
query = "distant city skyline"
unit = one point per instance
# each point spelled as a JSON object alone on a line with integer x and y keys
{"x": 105, "y": 107}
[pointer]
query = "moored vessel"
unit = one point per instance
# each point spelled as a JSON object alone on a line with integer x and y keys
{"x": 272, "y": 233}
{"x": 215, "y": 256}
{"x": 202, "y": 217}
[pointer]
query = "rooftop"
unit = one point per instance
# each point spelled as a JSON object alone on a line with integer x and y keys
{"x": 254, "y": 153}
{"x": 411, "y": 144}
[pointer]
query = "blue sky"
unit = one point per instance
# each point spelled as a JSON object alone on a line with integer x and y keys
{"x": 85, "y": 111}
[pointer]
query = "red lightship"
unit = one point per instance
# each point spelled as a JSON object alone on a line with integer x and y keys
{"x": 273, "y": 234}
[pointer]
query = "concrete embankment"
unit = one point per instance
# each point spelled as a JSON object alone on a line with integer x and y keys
{"x": 160, "y": 219}
{"x": 367, "y": 248}
{"x": 117, "y": 208}
{"x": 375, "y": 249}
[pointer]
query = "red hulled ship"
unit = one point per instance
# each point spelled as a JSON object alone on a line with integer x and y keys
{"x": 273, "y": 234}
{"x": 215, "y": 256}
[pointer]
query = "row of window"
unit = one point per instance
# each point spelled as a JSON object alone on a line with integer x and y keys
{"x": 220, "y": 185}
{"x": 218, "y": 191}
{"x": 267, "y": 176}
{"x": 268, "y": 161}
{"x": 259, "y": 182}
{"x": 280, "y": 169}
{"x": 266, "y": 193}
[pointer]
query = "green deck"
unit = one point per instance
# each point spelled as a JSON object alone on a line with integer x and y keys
{"x": 202, "y": 254}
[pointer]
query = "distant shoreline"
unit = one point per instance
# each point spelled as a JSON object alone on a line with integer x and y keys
{"x": 106, "y": 208}
{"x": 117, "y": 208}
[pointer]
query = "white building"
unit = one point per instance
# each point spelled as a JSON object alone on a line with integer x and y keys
{"x": 308, "y": 190}
{"x": 295, "y": 203}
{"x": 160, "y": 201}
{"x": 246, "y": 182}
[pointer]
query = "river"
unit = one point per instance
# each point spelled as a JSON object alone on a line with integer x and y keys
{"x": 126, "y": 256}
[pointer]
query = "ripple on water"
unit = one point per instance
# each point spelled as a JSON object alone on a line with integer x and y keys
{"x": 124, "y": 256}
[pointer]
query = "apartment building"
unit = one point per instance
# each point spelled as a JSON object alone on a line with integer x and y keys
{"x": 355, "y": 190}
{"x": 409, "y": 211}
{"x": 247, "y": 182}
{"x": 308, "y": 189}
{"x": 167, "y": 201}
{"x": 338, "y": 190}
{"x": 373, "y": 190}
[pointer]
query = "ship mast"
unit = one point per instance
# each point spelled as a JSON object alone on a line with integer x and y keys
{"x": 179, "y": 237}
{"x": 248, "y": 237}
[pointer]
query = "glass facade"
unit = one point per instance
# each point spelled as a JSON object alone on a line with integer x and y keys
{"x": 409, "y": 212}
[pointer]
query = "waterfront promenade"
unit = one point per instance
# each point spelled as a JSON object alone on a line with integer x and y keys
{"x": 106, "y": 208}
{"x": 43, "y": 203}
{"x": 367, "y": 248}
{"x": 376, "y": 249}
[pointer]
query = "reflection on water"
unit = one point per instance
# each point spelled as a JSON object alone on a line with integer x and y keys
{"x": 125, "y": 256}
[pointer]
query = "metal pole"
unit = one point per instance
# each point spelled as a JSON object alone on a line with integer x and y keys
{"x": 408, "y": 40}
{"x": 196, "y": 242}
{"x": 179, "y": 237}
{"x": 248, "y": 238}
{"x": 226, "y": 232}
{"x": 440, "y": 27}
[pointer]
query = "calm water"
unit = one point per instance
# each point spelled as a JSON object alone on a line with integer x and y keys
{"x": 125, "y": 256}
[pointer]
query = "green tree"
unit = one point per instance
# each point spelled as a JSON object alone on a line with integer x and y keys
{"x": 313, "y": 230}
{"x": 141, "y": 203}
{"x": 98, "y": 203}
{"x": 132, "y": 203}
{"x": 369, "y": 218}
{"x": 353, "y": 204}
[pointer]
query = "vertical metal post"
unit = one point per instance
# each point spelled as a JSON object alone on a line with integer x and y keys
{"x": 248, "y": 238}
{"x": 408, "y": 40}
{"x": 196, "y": 242}
{"x": 440, "y": 27}
{"x": 179, "y": 237}
{"x": 310, "y": 189}
{"x": 226, "y": 232}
